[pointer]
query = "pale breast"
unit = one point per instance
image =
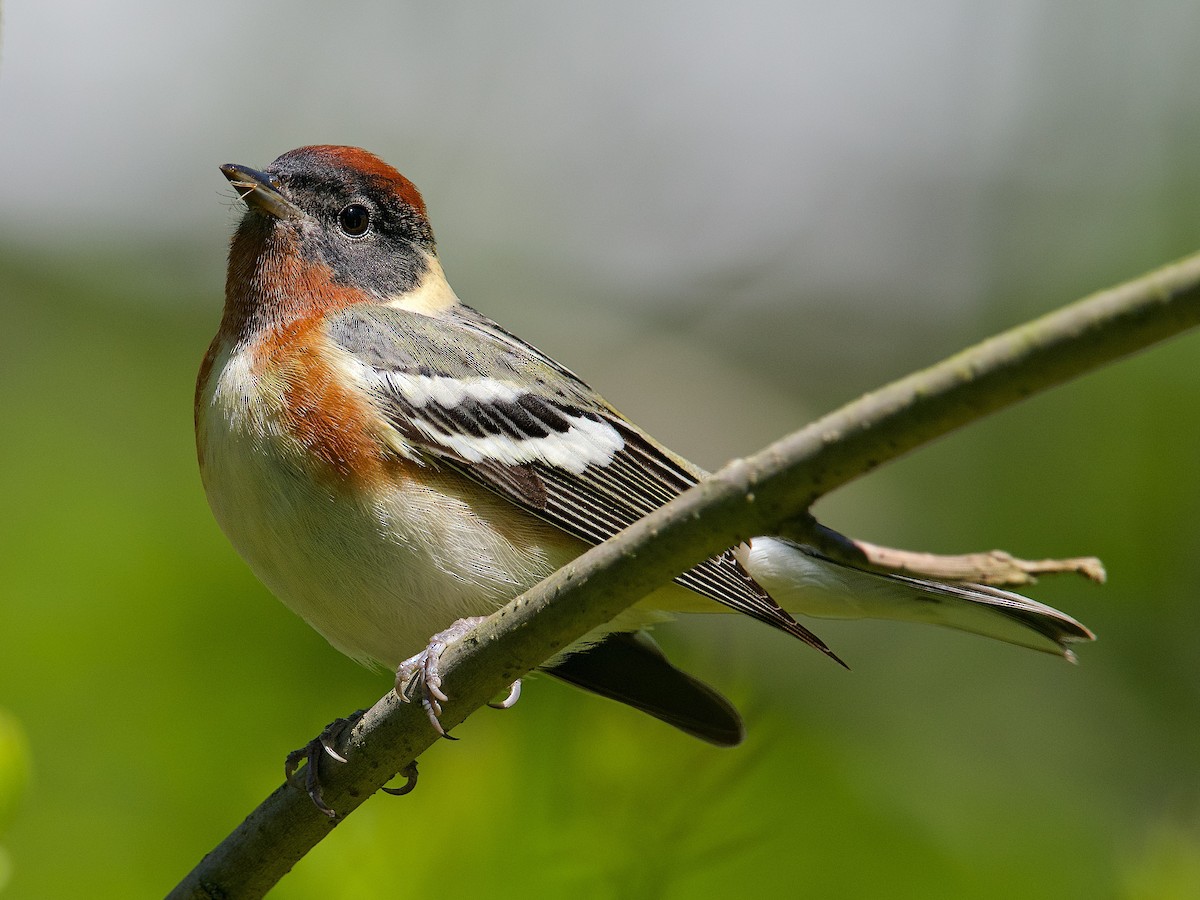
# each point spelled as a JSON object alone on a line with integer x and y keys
{"x": 376, "y": 557}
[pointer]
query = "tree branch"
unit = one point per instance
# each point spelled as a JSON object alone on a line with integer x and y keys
{"x": 747, "y": 497}
{"x": 994, "y": 567}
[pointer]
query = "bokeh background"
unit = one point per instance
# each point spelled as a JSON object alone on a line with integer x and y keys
{"x": 728, "y": 217}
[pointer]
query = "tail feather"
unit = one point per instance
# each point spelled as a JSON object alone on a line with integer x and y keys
{"x": 631, "y": 669}
{"x": 806, "y": 583}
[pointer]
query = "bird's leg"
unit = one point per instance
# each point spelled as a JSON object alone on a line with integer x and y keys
{"x": 419, "y": 675}
{"x": 323, "y": 744}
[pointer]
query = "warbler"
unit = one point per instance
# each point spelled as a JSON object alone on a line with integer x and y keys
{"x": 389, "y": 461}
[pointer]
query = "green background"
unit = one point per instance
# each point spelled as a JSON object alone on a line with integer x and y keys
{"x": 150, "y": 687}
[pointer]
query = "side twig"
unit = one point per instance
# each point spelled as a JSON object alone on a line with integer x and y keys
{"x": 995, "y": 567}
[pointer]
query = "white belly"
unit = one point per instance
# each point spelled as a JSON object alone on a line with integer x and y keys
{"x": 375, "y": 573}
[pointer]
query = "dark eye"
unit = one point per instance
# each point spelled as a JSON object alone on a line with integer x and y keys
{"x": 354, "y": 220}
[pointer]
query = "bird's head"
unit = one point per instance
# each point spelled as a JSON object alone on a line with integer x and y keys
{"x": 326, "y": 227}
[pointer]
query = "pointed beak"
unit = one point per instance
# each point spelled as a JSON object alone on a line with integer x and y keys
{"x": 261, "y": 191}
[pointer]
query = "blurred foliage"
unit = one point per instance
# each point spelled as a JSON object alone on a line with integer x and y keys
{"x": 160, "y": 686}
{"x": 760, "y": 211}
{"x": 14, "y": 773}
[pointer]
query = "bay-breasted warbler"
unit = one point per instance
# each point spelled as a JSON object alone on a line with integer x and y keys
{"x": 388, "y": 460}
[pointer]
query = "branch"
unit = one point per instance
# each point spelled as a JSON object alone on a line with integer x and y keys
{"x": 994, "y": 567}
{"x": 746, "y": 498}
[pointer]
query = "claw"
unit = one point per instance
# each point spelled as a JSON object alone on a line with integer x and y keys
{"x": 514, "y": 694}
{"x": 410, "y": 774}
{"x": 311, "y": 753}
{"x": 419, "y": 675}
{"x": 324, "y": 743}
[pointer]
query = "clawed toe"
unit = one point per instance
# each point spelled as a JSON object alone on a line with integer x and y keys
{"x": 410, "y": 774}
{"x": 514, "y": 694}
{"x": 419, "y": 675}
{"x": 310, "y": 754}
{"x": 324, "y": 744}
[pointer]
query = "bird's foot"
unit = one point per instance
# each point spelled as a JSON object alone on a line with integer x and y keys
{"x": 324, "y": 744}
{"x": 419, "y": 676}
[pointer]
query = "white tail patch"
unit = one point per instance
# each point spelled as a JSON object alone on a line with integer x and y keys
{"x": 809, "y": 585}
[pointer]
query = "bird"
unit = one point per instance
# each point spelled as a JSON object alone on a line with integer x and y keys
{"x": 392, "y": 463}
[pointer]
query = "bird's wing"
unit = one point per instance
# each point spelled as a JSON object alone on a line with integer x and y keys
{"x": 467, "y": 394}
